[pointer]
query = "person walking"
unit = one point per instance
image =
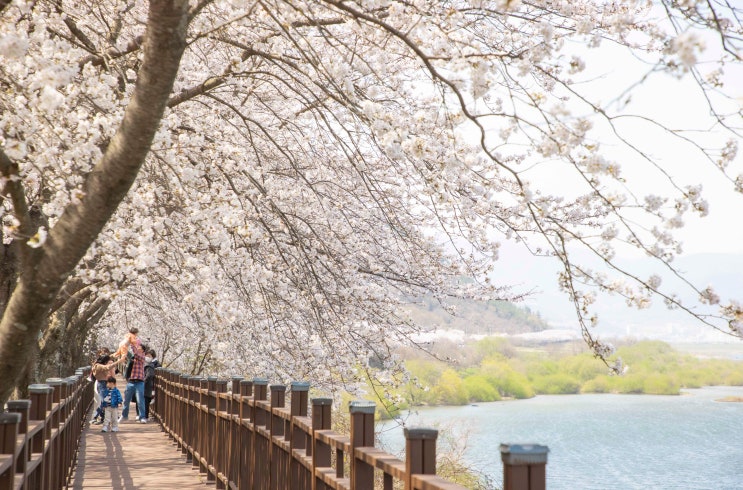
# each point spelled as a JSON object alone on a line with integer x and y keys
{"x": 111, "y": 401}
{"x": 99, "y": 375}
{"x": 135, "y": 384}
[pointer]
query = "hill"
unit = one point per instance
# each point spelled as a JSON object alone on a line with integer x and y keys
{"x": 477, "y": 317}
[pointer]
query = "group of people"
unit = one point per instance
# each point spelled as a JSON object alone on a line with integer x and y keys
{"x": 137, "y": 363}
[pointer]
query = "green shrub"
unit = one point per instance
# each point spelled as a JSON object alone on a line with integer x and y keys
{"x": 660, "y": 384}
{"x": 556, "y": 384}
{"x": 479, "y": 389}
{"x": 599, "y": 384}
{"x": 583, "y": 366}
{"x": 734, "y": 378}
{"x": 630, "y": 383}
{"x": 450, "y": 390}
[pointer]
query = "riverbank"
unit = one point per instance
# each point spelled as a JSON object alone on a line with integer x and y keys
{"x": 731, "y": 399}
{"x": 494, "y": 369}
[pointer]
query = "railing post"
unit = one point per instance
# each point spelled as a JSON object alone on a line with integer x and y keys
{"x": 362, "y": 435}
{"x": 9, "y": 423}
{"x": 234, "y": 433}
{"x": 260, "y": 389}
{"x": 260, "y": 463}
{"x": 420, "y": 453}
{"x": 221, "y": 439}
{"x": 246, "y": 388}
{"x": 298, "y": 408}
{"x": 524, "y": 466}
{"x": 278, "y": 400}
{"x": 211, "y": 423}
{"x": 320, "y": 451}
{"x": 202, "y": 435}
{"x": 70, "y": 438}
{"x": 41, "y": 400}
{"x": 23, "y": 408}
{"x": 189, "y": 411}
{"x": 296, "y": 437}
{"x": 246, "y": 436}
{"x": 277, "y": 462}
{"x": 51, "y": 461}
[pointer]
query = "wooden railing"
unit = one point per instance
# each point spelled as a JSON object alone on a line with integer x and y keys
{"x": 243, "y": 440}
{"x": 39, "y": 438}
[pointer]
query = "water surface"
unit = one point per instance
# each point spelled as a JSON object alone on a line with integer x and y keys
{"x": 606, "y": 441}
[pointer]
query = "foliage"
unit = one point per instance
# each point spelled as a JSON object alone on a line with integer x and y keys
{"x": 556, "y": 384}
{"x": 656, "y": 369}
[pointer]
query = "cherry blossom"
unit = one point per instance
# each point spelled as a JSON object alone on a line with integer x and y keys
{"x": 277, "y": 180}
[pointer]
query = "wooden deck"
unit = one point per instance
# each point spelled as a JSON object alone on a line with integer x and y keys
{"x": 139, "y": 456}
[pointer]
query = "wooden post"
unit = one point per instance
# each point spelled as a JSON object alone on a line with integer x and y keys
{"x": 221, "y": 440}
{"x": 70, "y": 438}
{"x": 524, "y": 466}
{"x": 261, "y": 445}
{"x": 9, "y": 423}
{"x": 277, "y": 457}
{"x": 53, "y": 461}
{"x": 298, "y": 408}
{"x": 210, "y": 424}
{"x": 234, "y": 435}
{"x": 320, "y": 452}
{"x": 278, "y": 400}
{"x": 22, "y": 407}
{"x": 260, "y": 389}
{"x": 40, "y": 403}
{"x": 298, "y": 476}
{"x": 246, "y": 388}
{"x": 420, "y": 453}
{"x": 202, "y": 435}
{"x": 362, "y": 435}
{"x": 189, "y": 412}
{"x": 246, "y": 436}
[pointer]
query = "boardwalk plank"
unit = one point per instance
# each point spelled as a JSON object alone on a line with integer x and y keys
{"x": 140, "y": 456}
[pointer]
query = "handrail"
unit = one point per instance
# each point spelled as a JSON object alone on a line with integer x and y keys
{"x": 41, "y": 436}
{"x": 244, "y": 439}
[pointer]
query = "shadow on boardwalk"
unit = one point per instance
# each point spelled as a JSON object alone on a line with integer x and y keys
{"x": 139, "y": 456}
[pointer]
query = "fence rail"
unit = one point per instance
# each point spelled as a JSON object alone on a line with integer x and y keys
{"x": 39, "y": 438}
{"x": 243, "y": 440}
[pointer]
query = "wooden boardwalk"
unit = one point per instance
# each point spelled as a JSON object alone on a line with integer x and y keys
{"x": 139, "y": 456}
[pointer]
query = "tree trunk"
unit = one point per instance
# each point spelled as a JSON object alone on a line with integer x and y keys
{"x": 44, "y": 270}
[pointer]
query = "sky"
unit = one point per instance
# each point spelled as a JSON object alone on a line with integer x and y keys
{"x": 712, "y": 245}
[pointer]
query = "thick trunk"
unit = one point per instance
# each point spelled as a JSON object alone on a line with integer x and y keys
{"x": 8, "y": 272}
{"x": 43, "y": 271}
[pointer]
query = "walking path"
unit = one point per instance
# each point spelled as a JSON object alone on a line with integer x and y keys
{"x": 139, "y": 456}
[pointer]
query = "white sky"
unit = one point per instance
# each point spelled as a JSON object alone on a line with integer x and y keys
{"x": 677, "y": 103}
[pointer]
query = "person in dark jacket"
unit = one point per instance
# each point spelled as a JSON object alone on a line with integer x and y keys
{"x": 151, "y": 363}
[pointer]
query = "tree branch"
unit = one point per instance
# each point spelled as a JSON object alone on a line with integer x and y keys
{"x": 105, "y": 187}
{"x": 112, "y": 53}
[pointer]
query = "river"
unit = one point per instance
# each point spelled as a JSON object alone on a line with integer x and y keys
{"x": 601, "y": 442}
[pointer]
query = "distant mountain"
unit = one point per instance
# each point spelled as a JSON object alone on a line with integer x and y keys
{"x": 616, "y": 319}
{"x": 547, "y": 308}
{"x": 477, "y": 317}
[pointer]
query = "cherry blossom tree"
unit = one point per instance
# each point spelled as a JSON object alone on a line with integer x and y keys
{"x": 91, "y": 177}
{"x": 297, "y": 171}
